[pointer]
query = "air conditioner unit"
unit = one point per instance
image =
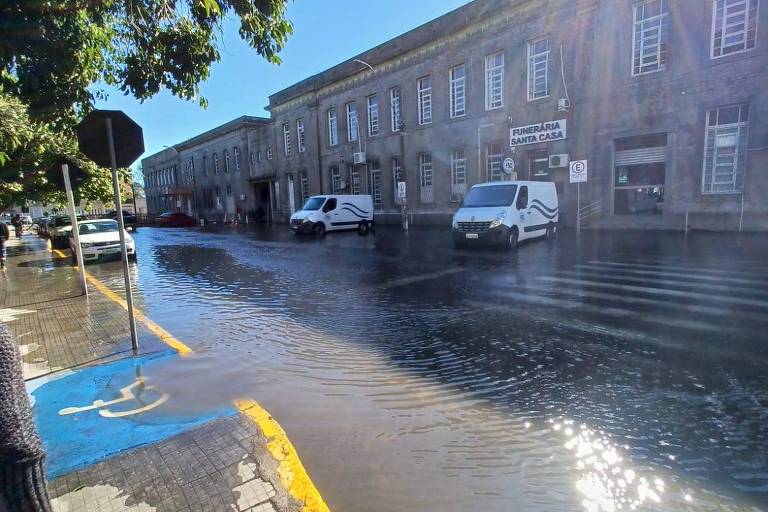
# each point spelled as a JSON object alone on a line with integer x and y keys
{"x": 556, "y": 161}
{"x": 563, "y": 105}
{"x": 242, "y": 197}
{"x": 342, "y": 184}
{"x": 359, "y": 158}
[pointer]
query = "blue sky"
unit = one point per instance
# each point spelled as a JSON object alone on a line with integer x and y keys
{"x": 325, "y": 33}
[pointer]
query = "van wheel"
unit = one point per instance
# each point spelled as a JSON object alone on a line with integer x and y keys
{"x": 319, "y": 229}
{"x": 362, "y": 229}
{"x": 551, "y": 231}
{"x": 512, "y": 238}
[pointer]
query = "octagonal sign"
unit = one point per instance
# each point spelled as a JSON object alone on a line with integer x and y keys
{"x": 93, "y": 141}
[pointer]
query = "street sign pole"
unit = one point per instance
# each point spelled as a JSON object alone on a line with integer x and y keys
{"x": 121, "y": 227}
{"x": 75, "y": 228}
{"x": 578, "y": 208}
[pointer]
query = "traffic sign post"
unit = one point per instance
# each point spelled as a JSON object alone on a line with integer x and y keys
{"x": 110, "y": 138}
{"x": 75, "y": 228}
{"x": 578, "y": 175}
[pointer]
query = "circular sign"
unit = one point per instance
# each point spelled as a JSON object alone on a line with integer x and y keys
{"x": 508, "y": 166}
{"x": 578, "y": 167}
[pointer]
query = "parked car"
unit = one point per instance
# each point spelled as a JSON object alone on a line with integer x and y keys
{"x": 100, "y": 240}
{"x": 175, "y": 219}
{"x": 334, "y": 213}
{"x": 42, "y": 227}
{"x": 26, "y": 219}
{"x": 506, "y": 213}
{"x": 129, "y": 220}
{"x": 58, "y": 230}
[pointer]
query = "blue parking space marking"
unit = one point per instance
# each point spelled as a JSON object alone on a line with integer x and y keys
{"x": 86, "y": 416}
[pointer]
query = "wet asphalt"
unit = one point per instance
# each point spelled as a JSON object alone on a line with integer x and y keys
{"x": 613, "y": 371}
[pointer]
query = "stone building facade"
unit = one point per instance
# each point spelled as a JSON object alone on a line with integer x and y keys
{"x": 665, "y": 99}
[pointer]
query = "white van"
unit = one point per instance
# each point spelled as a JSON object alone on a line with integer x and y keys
{"x": 506, "y": 213}
{"x": 334, "y": 213}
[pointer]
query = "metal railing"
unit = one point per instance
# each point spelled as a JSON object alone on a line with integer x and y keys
{"x": 590, "y": 210}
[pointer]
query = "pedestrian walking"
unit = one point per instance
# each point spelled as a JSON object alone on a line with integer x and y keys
{"x": 18, "y": 225}
{"x": 5, "y": 234}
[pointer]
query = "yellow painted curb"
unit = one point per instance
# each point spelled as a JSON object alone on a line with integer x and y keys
{"x": 158, "y": 331}
{"x": 290, "y": 469}
{"x": 292, "y": 473}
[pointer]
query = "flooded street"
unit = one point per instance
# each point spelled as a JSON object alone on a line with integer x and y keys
{"x": 619, "y": 371}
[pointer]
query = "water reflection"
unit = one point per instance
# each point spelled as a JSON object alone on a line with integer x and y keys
{"x": 450, "y": 379}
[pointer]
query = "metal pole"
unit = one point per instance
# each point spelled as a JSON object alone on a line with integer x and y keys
{"x": 741, "y": 215}
{"x": 75, "y": 228}
{"x": 121, "y": 225}
{"x": 578, "y": 208}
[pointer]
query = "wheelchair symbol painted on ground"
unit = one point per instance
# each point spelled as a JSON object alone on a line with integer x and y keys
{"x": 132, "y": 392}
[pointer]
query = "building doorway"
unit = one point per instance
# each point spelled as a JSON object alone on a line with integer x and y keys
{"x": 640, "y": 165}
{"x": 262, "y": 203}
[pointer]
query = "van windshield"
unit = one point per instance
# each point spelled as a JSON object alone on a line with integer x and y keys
{"x": 314, "y": 203}
{"x": 482, "y": 197}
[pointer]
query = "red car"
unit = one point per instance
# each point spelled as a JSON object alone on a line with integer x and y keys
{"x": 175, "y": 219}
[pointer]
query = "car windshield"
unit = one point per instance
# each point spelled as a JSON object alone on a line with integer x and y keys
{"x": 482, "y": 197}
{"x": 102, "y": 226}
{"x": 314, "y": 203}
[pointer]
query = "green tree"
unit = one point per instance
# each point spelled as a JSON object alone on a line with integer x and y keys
{"x": 28, "y": 149}
{"x": 53, "y": 52}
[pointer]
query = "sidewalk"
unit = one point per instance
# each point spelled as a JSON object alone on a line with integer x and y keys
{"x": 102, "y": 454}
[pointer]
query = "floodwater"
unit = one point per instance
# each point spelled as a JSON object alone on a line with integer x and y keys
{"x": 620, "y": 371}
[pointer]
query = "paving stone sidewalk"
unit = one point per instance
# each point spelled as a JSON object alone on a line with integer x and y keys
{"x": 58, "y": 328}
{"x": 221, "y": 465}
{"x": 212, "y": 468}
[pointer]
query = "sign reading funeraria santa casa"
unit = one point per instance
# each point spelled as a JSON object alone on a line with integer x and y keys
{"x": 535, "y": 133}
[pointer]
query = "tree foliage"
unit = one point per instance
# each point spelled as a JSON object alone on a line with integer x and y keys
{"x": 52, "y": 52}
{"x": 29, "y": 149}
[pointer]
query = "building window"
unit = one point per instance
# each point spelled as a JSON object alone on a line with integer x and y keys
{"x": 494, "y": 81}
{"x": 395, "y": 103}
{"x": 333, "y": 127}
{"x": 397, "y": 176}
{"x": 300, "y": 135}
{"x": 538, "y": 69}
{"x": 494, "y": 155}
{"x": 226, "y": 160}
{"x": 253, "y": 158}
{"x": 725, "y": 150}
{"x": 734, "y": 26}
{"x": 353, "y": 130}
{"x": 373, "y": 115}
{"x": 649, "y": 46}
{"x": 205, "y": 165}
{"x": 458, "y": 174}
{"x": 538, "y": 165}
{"x": 269, "y": 154}
{"x": 375, "y": 185}
{"x": 237, "y": 158}
{"x": 425, "y": 178}
{"x": 354, "y": 180}
{"x": 425, "y": 100}
{"x": 258, "y": 156}
{"x": 287, "y": 139}
{"x": 335, "y": 179}
{"x": 458, "y": 77}
{"x": 229, "y": 189}
{"x": 215, "y": 163}
{"x": 304, "y": 186}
